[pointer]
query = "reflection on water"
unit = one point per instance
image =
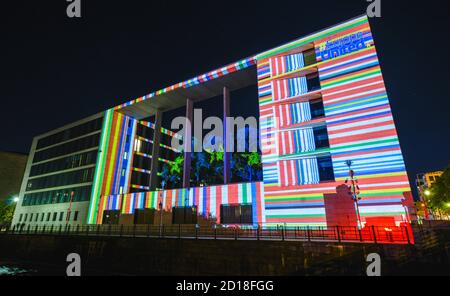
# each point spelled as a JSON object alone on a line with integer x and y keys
{"x": 7, "y": 270}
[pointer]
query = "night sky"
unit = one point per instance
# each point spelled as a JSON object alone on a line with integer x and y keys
{"x": 56, "y": 70}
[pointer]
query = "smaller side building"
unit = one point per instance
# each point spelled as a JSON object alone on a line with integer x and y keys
{"x": 423, "y": 184}
{"x": 12, "y": 167}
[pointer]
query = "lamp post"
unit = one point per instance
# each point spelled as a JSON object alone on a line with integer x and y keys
{"x": 70, "y": 207}
{"x": 354, "y": 190}
{"x": 163, "y": 184}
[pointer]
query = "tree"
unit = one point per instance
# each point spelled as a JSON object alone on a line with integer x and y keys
{"x": 6, "y": 213}
{"x": 440, "y": 193}
{"x": 171, "y": 172}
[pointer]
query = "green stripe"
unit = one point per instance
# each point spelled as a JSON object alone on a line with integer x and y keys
{"x": 340, "y": 81}
{"x": 93, "y": 205}
{"x": 356, "y": 102}
{"x": 395, "y": 140}
{"x": 382, "y": 193}
{"x": 244, "y": 193}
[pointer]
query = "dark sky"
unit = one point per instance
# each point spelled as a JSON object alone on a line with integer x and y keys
{"x": 56, "y": 70}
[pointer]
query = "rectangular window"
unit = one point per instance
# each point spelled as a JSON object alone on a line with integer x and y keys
{"x": 325, "y": 165}
{"x": 25, "y": 219}
{"x": 317, "y": 109}
{"x": 321, "y": 137}
{"x": 31, "y": 217}
{"x": 37, "y": 217}
{"x": 75, "y": 216}
{"x": 184, "y": 215}
{"x": 42, "y": 217}
{"x": 309, "y": 57}
{"x": 111, "y": 217}
{"x": 20, "y": 217}
{"x": 61, "y": 216}
{"x": 55, "y": 215}
{"x": 236, "y": 214}
{"x": 313, "y": 82}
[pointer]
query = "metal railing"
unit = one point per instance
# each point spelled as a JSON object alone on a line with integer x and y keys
{"x": 369, "y": 234}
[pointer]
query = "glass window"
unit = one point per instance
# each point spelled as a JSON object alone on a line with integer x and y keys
{"x": 55, "y": 215}
{"x": 321, "y": 137}
{"x": 61, "y": 216}
{"x": 75, "y": 216}
{"x": 74, "y": 132}
{"x": 20, "y": 217}
{"x": 325, "y": 165}
{"x": 48, "y": 216}
{"x": 313, "y": 81}
{"x": 309, "y": 57}
{"x": 236, "y": 214}
{"x": 317, "y": 109}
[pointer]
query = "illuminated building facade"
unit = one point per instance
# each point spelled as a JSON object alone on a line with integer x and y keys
{"x": 322, "y": 102}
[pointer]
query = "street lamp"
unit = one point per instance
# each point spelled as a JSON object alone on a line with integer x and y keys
{"x": 163, "y": 184}
{"x": 427, "y": 192}
{"x": 354, "y": 189}
{"x": 16, "y": 199}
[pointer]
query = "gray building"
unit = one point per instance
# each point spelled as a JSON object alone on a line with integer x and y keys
{"x": 58, "y": 177}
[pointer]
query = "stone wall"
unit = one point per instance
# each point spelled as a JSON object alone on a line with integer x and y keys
{"x": 150, "y": 256}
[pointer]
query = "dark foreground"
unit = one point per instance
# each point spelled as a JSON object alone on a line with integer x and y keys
{"x": 104, "y": 255}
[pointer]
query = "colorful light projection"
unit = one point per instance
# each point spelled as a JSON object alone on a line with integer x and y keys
{"x": 358, "y": 119}
{"x": 207, "y": 199}
{"x": 243, "y": 64}
{"x": 114, "y": 163}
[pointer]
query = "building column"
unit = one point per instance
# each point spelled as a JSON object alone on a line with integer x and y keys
{"x": 155, "y": 151}
{"x": 226, "y": 137}
{"x": 188, "y": 143}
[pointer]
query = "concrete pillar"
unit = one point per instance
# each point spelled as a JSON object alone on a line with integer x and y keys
{"x": 188, "y": 143}
{"x": 226, "y": 139}
{"x": 155, "y": 151}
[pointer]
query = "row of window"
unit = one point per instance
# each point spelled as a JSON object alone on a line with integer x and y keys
{"x": 77, "y": 194}
{"x": 71, "y": 133}
{"x": 47, "y": 217}
{"x": 74, "y": 177}
{"x": 229, "y": 214}
{"x": 67, "y": 148}
{"x": 69, "y": 162}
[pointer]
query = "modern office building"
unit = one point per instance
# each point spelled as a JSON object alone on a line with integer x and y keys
{"x": 322, "y": 105}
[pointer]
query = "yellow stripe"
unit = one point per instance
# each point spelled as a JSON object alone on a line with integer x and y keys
{"x": 375, "y": 176}
{"x": 113, "y": 152}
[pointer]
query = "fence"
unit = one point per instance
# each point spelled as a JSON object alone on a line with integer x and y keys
{"x": 369, "y": 234}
